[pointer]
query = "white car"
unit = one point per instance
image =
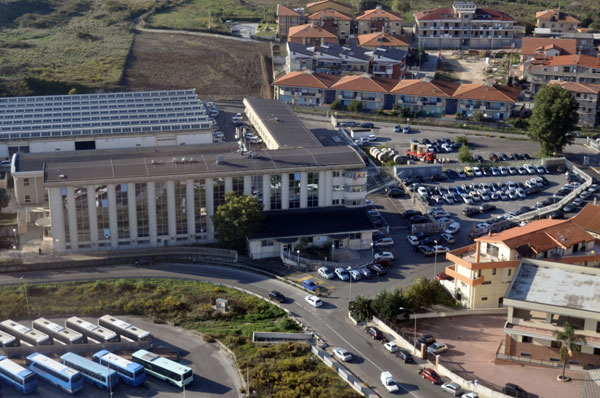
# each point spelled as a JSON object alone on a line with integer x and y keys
{"x": 314, "y": 301}
{"x": 325, "y": 273}
{"x": 452, "y": 388}
{"x": 422, "y": 191}
{"x": 384, "y": 255}
{"x": 388, "y": 382}
{"x": 452, "y": 228}
{"x": 391, "y": 346}
{"x": 413, "y": 240}
{"x": 355, "y": 275}
{"x": 439, "y": 249}
{"x": 503, "y": 170}
{"x": 470, "y": 395}
{"x": 477, "y": 171}
{"x": 342, "y": 354}
{"x": 384, "y": 242}
{"x": 342, "y": 274}
{"x": 467, "y": 199}
{"x": 449, "y": 238}
{"x": 495, "y": 171}
{"x": 529, "y": 168}
{"x": 437, "y": 348}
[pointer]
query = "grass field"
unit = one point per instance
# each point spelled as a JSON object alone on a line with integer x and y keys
{"x": 281, "y": 370}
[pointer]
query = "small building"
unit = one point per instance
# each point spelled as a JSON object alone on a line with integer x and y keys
{"x": 430, "y": 97}
{"x": 310, "y": 35}
{"x": 286, "y": 18}
{"x": 305, "y": 88}
{"x": 389, "y": 63}
{"x": 334, "y": 22}
{"x": 587, "y": 96}
{"x": 572, "y": 68}
{"x": 379, "y": 20}
{"x": 372, "y": 92}
{"x": 376, "y": 40}
{"x": 554, "y": 22}
{"x": 536, "y": 49}
{"x": 542, "y": 296}
{"x": 495, "y": 102}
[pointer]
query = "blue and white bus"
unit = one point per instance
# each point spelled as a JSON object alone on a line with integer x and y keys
{"x": 129, "y": 372}
{"x": 93, "y": 373}
{"x": 163, "y": 368}
{"x": 55, "y": 373}
{"x": 23, "y": 380}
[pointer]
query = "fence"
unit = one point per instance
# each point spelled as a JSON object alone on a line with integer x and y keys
{"x": 308, "y": 264}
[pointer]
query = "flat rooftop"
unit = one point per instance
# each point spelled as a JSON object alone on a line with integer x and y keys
{"x": 557, "y": 285}
{"x": 282, "y": 123}
{"x": 199, "y": 161}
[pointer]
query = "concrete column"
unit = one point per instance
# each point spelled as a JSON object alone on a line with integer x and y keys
{"x": 190, "y": 208}
{"x": 210, "y": 209}
{"x": 93, "y": 215}
{"x": 112, "y": 216}
{"x": 58, "y": 219}
{"x": 322, "y": 188}
{"x": 72, "y": 214}
{"x": 303, "y": 190}
{"x": 248, "y": 185}
{"x": 266, "y": 191}
{"x": 328, "y": 187}
{"x": 151, "y": 190}
{"x": 170, "y": 185}
{"x": 285, "y": 191}
{"x": 132, "y": 212}
{"x": 228, "y": 184}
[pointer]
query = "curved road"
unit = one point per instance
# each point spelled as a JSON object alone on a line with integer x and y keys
{"x": 329, "y": 321}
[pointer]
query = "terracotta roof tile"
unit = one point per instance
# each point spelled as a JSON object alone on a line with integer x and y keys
{"x": 419, "y": 87}
{"x": 478, "y": 91}
{"x": 329, "y": 13}
{"x": 309, "y": 31}
{"x": 578, "y": 87}
{"x": 588, "y": 218}
{"x": 283, "y": 11}
{"x": 378, "y": 13}
{"x": 577, "y": 59}
{"x": 365, "y": 83}
{"x": 380, "y": 39}
{"x": 316, "y": 3}
{"x": 519, "y": 231}
{"x": 530, "y": 45}
{"x": 562, "y": 16}
{"x": 306, "y": 79}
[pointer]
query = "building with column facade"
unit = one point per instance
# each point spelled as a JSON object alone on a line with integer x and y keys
{"x": 152, "y": 197}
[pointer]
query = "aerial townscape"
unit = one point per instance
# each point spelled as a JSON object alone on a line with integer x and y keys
{"x": 340, "y": 198}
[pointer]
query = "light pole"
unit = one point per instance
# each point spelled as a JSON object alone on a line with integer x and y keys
{"x": 415, "y": 331}
{"x": 372, "y": 252}
{"x": 26, "y": 298}
{"x": 16, "y": 238}
{"x": 435, "y": 259}
{"x": 332, "y": 251}
{"x": 537, "y": 207}
{"x": 350, "y": 276}
{"x": 298, "y": 258}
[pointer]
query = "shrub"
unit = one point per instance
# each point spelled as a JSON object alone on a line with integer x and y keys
{"x": 336, "y": 105}
{"x": 464, "y": 155}
{"x": 355, "y": 106}
{"x": 462, "y": 140}
{"x": 478, "y": 117}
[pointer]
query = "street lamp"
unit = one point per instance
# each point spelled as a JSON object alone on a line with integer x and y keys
{"x": 16, "y": 238}
{"x": 298, "y": 258}
{"x": 26, "y": 298}
{"x": 350, "y": 276}
{"x": 372, "y": 252}
{"x": 332, "y": 251}
{"x": 415, "y": 332}
{"x": 435, "y": 259}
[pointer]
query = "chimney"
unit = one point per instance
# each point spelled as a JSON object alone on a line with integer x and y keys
{"x": 477, "y": 251}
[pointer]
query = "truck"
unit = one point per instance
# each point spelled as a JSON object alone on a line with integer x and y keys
{"x": 359, "y": 132}
{"x": 388, "y": 382}
{"x": 419, "y": 152}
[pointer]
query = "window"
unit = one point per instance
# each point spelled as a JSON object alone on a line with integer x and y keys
{"x": 494, "y": 271}
{"x": 141, "y": 209}
{"x": 266, "y": 243}
{"x": 355, "y": 235}
{"x": 313, "y": 189}
{"x": 294, "y": 190}
{"x": 337, "y": 173}
{"x": 27, "y": 199}
{"x": 527, "y": 339}
{"x": 509, "y": 272}
{"x": 276, "y": 192}
{"x": 25, "y": 182}
{"x": 555, "y": 344}
{"x": 487, "y": 283}
{"x": 484, "y": 299}
{"x": 180, "y": 208}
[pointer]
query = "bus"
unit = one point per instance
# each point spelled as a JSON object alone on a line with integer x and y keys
{"x": 23, "y": 333}
{"x": 23, "y": 380}
{"x": 163, "y": 368}
{"x": 129, "y": 372}
{"x": 6, "y": 340}
{"x": 91, "y": 331}
{"x": 124, "y": 329}
{"x": 93, "y": 373}
{"x": 55, "y": 373}
{"x": 57, "y": 332}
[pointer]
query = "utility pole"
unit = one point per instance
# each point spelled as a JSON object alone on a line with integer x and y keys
{"x": 209, "y": 19}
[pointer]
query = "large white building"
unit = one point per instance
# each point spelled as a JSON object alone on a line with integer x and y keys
{"x": 148, "y": 197}
{"x": 102, "y": 121}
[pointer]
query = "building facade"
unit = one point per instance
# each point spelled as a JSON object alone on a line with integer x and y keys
{"x": 554, "y": 22}
{"x": 310, "y": 35}
{"x": 493, "y": 102}
{"x": 372, "y": 92}
{"x": 305, "y": 88}
{"x": 464, "y": 26}
{"x": 334, "y": 22}
{"x": 379, "y": 20}
{"x": 587, "y": 96}
{"x": 570, "y": 68}
{"x": 432, "y": 98}
{"x": 288, "y": 17}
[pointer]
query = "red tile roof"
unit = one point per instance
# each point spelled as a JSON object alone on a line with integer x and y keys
{"x": 309, "y": 31}
{"x": 378, "y": 13}
{"x": 478, "y": 91}
{"x": 421, "y": 88}
{"x": 561, "y": 16}
{"x": 306, "y": 79}
{"x": 449, "y": 14}
{"x": 578, "y": 87}
{"x": 530, "y": 45}
{"x": 365, "y": 83}
{"x": 329, "y": 13}
{"x": 379, "y": 39}
{"x": 284, "y": 11}
{"x": 316, "y": 3}
{"x": 575, "y": 60}
{"x": 588, "y": 218}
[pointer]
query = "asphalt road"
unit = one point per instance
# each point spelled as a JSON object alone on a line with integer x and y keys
{"x": 329, "y": 321}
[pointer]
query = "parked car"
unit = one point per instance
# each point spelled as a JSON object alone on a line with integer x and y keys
{"x": 405, "y": 356}
{"x": 439, "y": 249}
{"x": 431, "y": 375}
{"x": 325, "y": 273}
{"x": 342, "y": 354}
{"x": 355, "y": 274}
{"x": 394, "y": 192}
{"x": 397, "y": 128}
{"x": 384, "y": 242}
{"x": 377, "y": 269}
{"x": 391, "y": 346}
{"x": 314, "y": 301}
{"x": 448, "y": 238}
{"x": 382, "y": 255}
{"x": 366, "y": 272}
{"x": 367, "y": 125}
{"x": 374, "y": 332}
{"x": 426, "y": 250}
{"x": 426, "y": 339}
{"x": 437, "y": 348}
{"x": 452, "y": 228}
{"x": 470, "y": 211}
{"x": 406, "y": 129}
{"x": 513, "y": 390}
{"x": 138, "y": 263}
{"x": 310, "y": 285}
{"x": 470, "y": 395}
{"x": 342, "y": 274}
{"x": 452, "y": 388}
{"x": 275, "y": 295}
{"x": 486, "y": 207}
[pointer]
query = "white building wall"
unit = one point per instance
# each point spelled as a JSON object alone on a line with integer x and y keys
{"x": 58, "y": 219}
{"x": 125, "y": 142}
{"x": 195, "y": 138}
{"x": 3, "y": 151}
{"x": 52, "y": 146}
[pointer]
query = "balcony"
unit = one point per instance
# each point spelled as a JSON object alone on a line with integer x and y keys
{"x": 451, "y": 271}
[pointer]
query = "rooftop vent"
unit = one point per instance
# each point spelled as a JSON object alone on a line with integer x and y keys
{"x": 220, "y": 159}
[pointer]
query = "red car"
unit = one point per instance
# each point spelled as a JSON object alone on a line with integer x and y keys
{"x": 442, "y": 276}
{"x": 386, "y": 262}
{"x": 431, "y": 375}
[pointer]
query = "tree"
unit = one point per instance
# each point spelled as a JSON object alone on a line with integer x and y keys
{"x": 236, "y": 218}
{"x": 478, "y": 116}
{"x": 424, "y": 293}
{"x": 355, "y": 106}
{"x": 553, "y": 118}
{"x": 4, "y": 199}
{"x": 336, "y": 105}
{"x": 72, "y": 91}
{"x": 360, "y": 309}
{"x": 387, "y": 303}
{"x": 464, "y": 155}
{"x": 569, "y": 343}
{"x": 421, "y": 55}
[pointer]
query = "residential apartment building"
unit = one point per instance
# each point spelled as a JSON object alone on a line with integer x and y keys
{"x": 537, "y": 49}
{"x": 541, "y": 297}
{"x": 379, "y": 20}
{"x": 464, "y": 26}
{"x": 587, "y": 96}
{"x": 483, "y": 271}
{"x": 495, "y": 102}
{"x": 329, "y": 58}
{"x": 372, "y": 92}
{"x": 375, "y": 40}
{"x": 433, "y": 98}
{"x": 329, "y": 5}
{"x": 310, "y": 35}
{"x": 151, "y": 197}
{"x": 571, "y": 68}
{"x": 554, "y": 22}
{"x": 389, "y": 63}
{"x": 288, "y": 17}
{"x": 305, "y": 88}
{"x": 334, "y": 22}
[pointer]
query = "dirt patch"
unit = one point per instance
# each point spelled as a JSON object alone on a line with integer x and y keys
{"x": 217, "y": 68}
